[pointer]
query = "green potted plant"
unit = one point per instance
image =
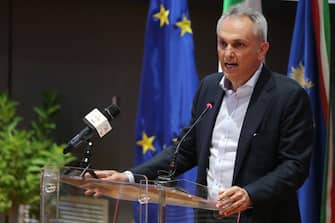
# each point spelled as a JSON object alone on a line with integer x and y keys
{"x": 23, "y": 151}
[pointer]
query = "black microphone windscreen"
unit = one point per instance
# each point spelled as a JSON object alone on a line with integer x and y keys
{"x": 112, "y": 111}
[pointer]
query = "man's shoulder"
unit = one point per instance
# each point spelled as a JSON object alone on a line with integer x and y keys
{"x": 284, "y": 87}
{"x": 213, "y": 77}
{"x": 283, "y": 81}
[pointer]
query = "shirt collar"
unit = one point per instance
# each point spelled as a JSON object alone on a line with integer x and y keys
{"x": 226, "y": 84}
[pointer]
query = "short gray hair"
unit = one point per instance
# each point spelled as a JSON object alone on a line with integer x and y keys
{"x": 260, "y": 23}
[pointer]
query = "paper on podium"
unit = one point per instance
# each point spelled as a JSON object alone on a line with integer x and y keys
{"x": 137, "y": 192}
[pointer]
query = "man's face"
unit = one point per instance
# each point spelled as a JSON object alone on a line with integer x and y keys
{"x": 239, "y": 48}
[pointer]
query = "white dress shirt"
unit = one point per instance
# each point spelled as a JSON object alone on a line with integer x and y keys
{"x": 226, "y": 134}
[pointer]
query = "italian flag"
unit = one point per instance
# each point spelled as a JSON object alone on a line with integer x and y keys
{"x": 321, "y": 23}
{"x": 254, "y": 4}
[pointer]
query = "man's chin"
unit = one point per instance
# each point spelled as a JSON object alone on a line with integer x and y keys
{"x": 230, "y": 71}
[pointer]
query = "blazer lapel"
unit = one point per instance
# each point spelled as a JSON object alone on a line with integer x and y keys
{"x": 254, "y": 115}
{"x": 210, "y": 119}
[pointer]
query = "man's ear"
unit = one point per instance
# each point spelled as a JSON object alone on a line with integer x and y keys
{"x": 263, "y": 49}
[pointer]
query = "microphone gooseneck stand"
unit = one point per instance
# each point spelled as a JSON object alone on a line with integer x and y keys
{"x": 166, "y": 176}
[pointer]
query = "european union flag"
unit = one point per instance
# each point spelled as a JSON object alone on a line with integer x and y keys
{"x": 306, "y": 67}
{"x": 168, "y": 83}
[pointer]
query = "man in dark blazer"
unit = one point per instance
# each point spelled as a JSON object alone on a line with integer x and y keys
{"x": 254, "y": 146}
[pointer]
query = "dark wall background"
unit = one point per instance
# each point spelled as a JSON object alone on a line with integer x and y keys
{"x": 90, "y": 51}
{"x": 4, "y": 30}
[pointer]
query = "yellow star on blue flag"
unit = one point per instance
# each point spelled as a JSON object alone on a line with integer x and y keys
{"x": 185, "y": 26}
{"x": 146, "y": 143}
{"x": 163, "y": 16}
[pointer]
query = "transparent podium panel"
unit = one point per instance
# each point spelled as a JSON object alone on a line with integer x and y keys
{"x": 63, "y": 199}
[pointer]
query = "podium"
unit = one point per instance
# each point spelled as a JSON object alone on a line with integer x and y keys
{"x": 63, "y": 199}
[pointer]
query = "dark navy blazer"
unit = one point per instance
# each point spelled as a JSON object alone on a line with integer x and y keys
{"x": 274, "y": 148}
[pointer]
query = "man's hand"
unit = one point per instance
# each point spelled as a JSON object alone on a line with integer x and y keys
{"x": 110, "y": 175}
{"x": 233, "y": 200}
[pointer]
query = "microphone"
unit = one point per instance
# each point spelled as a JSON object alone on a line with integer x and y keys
{"x": 173, "y": 164}
{"x": 98, "y": 122}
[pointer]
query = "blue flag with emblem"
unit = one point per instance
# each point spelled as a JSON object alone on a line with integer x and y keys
{"x": 308, "y": 65}
{"x": 168, "y": 84}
